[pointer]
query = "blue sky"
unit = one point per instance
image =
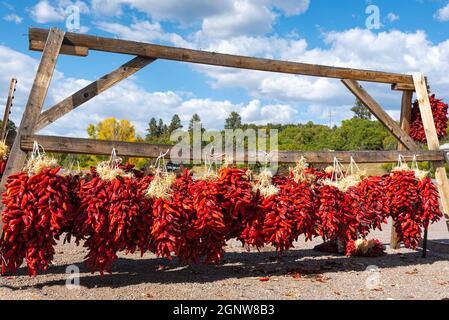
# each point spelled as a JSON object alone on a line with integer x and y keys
{"x": 413, "y": 35}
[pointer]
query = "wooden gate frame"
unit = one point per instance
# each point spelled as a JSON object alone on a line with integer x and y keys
{"x": 53, "y": 42}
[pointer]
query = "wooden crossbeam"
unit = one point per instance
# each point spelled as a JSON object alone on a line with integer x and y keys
{"x": 361, "y": 94}
{"x": 90, "y": 91}
{"x": 35, "y": 102}
{"x": 432, "y": 141}
{"x": 218, "y": 59}
{"x": 145, "y": 150}
{"x": 65, "y": 49}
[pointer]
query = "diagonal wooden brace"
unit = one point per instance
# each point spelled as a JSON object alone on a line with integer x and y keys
{"x": 90, "y": 91}
{"x": 361, "y": 94}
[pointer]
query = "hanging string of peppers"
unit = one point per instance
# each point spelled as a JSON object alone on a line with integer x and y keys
{"x": 116, "y": 208}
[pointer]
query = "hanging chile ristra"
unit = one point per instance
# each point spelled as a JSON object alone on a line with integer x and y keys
{"x": 440, "y": 117}
{"x": 37, "y": 211}
{"x": 112, "y": 203}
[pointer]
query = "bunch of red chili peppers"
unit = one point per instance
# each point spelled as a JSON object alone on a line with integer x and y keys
{"x": 198, "y": 216}
{"x": 440, "y": 117}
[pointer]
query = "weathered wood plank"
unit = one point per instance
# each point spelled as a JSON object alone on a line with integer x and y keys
{"x": 144, "y": 150}
{"x": 35, "y": 102}
{"x": 406, "y": 118}
{"x": 361, "y": 94}
{"x": 402, "y": 87}
{"x": 432, "y": 141}
{"x": 90, "y": 91}
{"x": 36, "y": 45}
{"x": 218, "y": 59}
{"x": 12, "y": 88}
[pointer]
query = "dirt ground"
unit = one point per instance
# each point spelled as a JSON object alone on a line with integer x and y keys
{"x": 299, "y": 274}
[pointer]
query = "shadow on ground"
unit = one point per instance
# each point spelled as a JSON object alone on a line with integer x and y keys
{"x": 306, "y": 263}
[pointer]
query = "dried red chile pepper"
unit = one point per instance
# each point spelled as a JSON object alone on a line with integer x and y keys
{"x": 403, "y": 201}
{"x": 429, "y": 209}
{"x": 173, "y": 217}
{"x": 114, "y": 212}
{"x": 37, "y": 211}
{"x": 440, "y": 116}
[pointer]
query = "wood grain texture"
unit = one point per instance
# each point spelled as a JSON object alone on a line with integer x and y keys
{"x": 35, "y": 102}
{"x": 12, "y": 88}
{"x": 65, "y": 49}
{"x": 144, "y": 150}
{"x": 90, "y": 91}
{"x": 432, "y": 141}
{"x": 381, "y": 115}
{"x": 218, "y": 59}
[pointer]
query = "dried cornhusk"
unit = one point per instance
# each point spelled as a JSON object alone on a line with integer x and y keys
{"x": 160, "y": 185}
{"x": 4, "y": 151}
{"x": 35, "y": 165}
{"x": 421, "y": 174}
{"x": 299, "y": 172}
{"x": 401, "y": 167}
{"x": 364, "y": 246}
{"x": 264, "y": 186}
{"x": 107, "y": 172}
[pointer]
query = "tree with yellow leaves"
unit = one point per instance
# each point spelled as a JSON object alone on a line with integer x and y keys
{"x": 112, "y": 129}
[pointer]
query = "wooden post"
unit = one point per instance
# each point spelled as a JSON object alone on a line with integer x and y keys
{"x": 12, "y": 88}
{"x": 35, "y": 102}
{"x": 432, "y": 141}
{"x": 406, "y": 117}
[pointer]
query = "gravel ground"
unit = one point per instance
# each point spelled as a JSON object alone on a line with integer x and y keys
{"x": 299, "y": 274}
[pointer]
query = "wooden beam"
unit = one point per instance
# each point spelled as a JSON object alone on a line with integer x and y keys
{"x": 432, "y": 141}
{"x": 361, "y": 94}
{"x": 218, "y": 59}
{"x": 36, "y": 45}
{"x": 35, "y": 101}
{"x": 90, "y": 91}
{"x": 406, "y": 119}
{"x": 145, "y": 150}
{"x": 12, "y": 89}
{"x": 402, "y": 87}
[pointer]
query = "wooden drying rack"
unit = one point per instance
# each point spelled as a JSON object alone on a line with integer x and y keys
{"x": 53, "y": 42}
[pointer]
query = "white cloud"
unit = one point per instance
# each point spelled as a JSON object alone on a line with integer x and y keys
{"x": 257, "y": 113}
{"x": 143, "y": 31}
{"x": 246, "y": 17}
{"x": 292, "y": 7}
{"x": 13, "y": 18}
{"x": 44, "y": 12}
{"x": 392, "y": 17}
{"x": 442, "y": 14}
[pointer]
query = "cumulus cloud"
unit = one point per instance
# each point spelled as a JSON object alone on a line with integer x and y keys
{"x": 13, "y": 18}
{"x": 44, "y": 12}
{"x": 442, "y": 14}
{"x": 110, "y": 103}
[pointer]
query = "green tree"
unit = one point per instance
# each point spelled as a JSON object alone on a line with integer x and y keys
{"x": 161, "y": 128}
{"x": 234, "y": 121}
{"x": 361, "y": 112}
{"x": 360, "y": 134}
{"x": 175, "y": 124}
{"x": 195, "y": 119}
{"x": 153, "y": 129}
